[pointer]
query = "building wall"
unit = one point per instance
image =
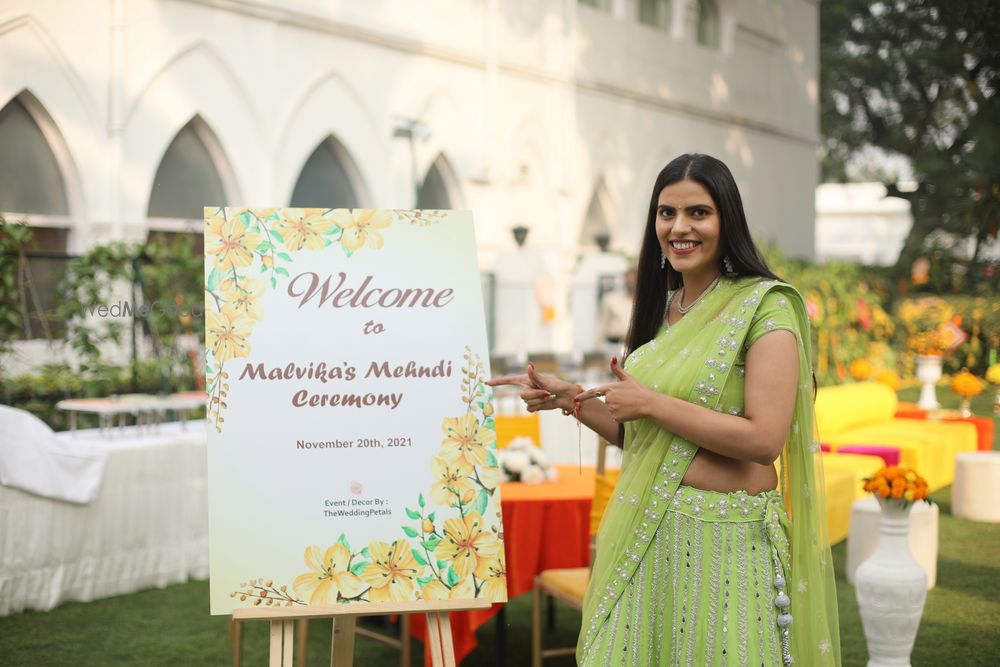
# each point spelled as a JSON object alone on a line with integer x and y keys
{"x": 533, "y": 103}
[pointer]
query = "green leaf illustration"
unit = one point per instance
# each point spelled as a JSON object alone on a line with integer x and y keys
{"x": 431, "y": 516}
{"x": 452, "y": 578}
{"x": 410, "y": 532}
{"x": 412, "y": 514}
{"x": 482, "y": 499}
{"x": 420, "y": 499}
{"x": 281, "y": 271}
{"x": 213, "y": 281}
{"x": 265, "y": 246}
{"x": 417, "y": 556}
{"x": 274, "y": 282}
{"x": 364, "y": 552}
{"x": 277, "y": 236}
{"x": 491, "y": 458}
{"x": 285, "y": 256}
{"x": 263, "y": 268}
{"x": 431, "y": 543}
{"x": 343, "y": 540}
{"x": 357, "y": 568}
{"x": 423, "y": 581}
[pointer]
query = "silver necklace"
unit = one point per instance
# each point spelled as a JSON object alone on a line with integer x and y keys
{"x": 683, "y": 310}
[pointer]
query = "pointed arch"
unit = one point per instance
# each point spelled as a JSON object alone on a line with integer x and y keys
{"x": 193, "y": 173}
{"x": 329, "y": 178}
{"x": 358, "y": 142}
{"x": 195, "y": 87}
{"x": 440, "y": 188}
{"x": 31, "y": 177}
{"x": 598, "y": 216}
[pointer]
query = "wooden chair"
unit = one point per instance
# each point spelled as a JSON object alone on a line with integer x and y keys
{"x": 568, "y": 585}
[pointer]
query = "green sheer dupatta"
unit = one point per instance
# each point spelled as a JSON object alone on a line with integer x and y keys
{"x": 693, "y": 360}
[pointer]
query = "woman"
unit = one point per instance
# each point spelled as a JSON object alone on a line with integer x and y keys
{"x": 700, "y": 560}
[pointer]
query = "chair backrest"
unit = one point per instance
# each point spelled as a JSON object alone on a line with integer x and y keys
{"x": 604, "y": 487}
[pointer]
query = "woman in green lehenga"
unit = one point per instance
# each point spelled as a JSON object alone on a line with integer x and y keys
{"x": 706, "y": 555}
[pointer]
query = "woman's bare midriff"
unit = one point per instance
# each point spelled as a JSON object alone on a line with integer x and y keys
{"x": 714, "y": 472}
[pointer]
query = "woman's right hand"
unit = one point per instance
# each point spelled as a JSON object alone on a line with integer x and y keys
{"x": 541, "y": 392}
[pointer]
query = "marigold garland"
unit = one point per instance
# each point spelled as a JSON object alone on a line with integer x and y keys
{"x": 966, "y": 385}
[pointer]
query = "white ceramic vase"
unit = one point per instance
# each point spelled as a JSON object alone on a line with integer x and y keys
{"x": 928, "y": 372}
{"x": 891, "y": 588}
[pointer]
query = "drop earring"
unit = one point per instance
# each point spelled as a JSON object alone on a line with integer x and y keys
{"x": 663, "y": 260}
{"x": 728, "y": 266}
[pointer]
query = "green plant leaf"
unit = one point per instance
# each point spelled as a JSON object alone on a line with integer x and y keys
{"x": 452, "y": 577}
{"x": 410, "y": 532}
{"x": 431, "y": 543}
{"x": 491, "y": 458}
{"x": 357, "y": 568}
{"x": 420, "y": 500}
{"x": 423, "y": 581}
{"x": 274, "y": 282}
{"x": 281, "y": 271}
{"x": 364, "y": 552}
{"x": 265, "y": 246}
{"x": 412, "y": 514}
{"x": 343, "y": 540}
{"x": 285, "y": 256}
{"x": 417, "y": 556}
{"x": 431, "y": 516}
{"x": 277, "y": 236}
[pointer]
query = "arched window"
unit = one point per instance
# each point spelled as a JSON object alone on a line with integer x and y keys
{"x": 188, "y": 178}
{"x": 703, "y": 22}
{"x": 434, "y": 192}
{"x": 328, "y": 179}
{"x": 33, "y": 189}
{"x": 595, "y": 221}
{"x": 30, "y": 178}
{"x": 655, "y": 13}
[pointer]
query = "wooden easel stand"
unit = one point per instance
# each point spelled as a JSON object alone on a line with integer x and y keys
{"x": 283, "y": 635}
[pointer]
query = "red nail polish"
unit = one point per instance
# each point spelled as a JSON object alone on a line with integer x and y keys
{"x": 614, "y": 360}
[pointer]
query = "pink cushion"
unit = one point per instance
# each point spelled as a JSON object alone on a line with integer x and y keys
{"x": 889, "y": 454}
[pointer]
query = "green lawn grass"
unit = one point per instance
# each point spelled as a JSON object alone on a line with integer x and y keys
{"x": 171, "y": 626}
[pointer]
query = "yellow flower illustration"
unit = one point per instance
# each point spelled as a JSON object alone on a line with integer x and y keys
{"x": 466, "y": 544}
{"x": 227, "y": 333}
{"x": 435, "y": 590}
{"x": 489, "y": 477}
{"x": 493, "y": 574}
{"x": 328, "y": 577}
{"x": 230, "y": 242}
{"x": 243, "y": 296}
{"x": 452, "y": 479}
{"x": 303, "y": 228}
{"x": 466, "y": 439}
{"x": 391, "y": 572}
{"x": 360, "y": 225}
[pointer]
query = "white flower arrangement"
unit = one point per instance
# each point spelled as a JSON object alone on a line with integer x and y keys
{"x": 523, "y": 461}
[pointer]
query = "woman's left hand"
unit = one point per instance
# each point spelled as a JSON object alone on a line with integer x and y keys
{"x": 627, "y": 400}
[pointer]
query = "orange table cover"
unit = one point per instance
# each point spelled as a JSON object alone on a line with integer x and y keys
{"x": 545, "y": 526}
{"x": 984, "y": 425}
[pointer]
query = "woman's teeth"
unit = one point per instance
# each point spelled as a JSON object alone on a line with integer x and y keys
{"x": 683, "y": 245}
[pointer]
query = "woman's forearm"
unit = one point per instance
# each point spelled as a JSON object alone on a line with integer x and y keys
{"x": 729, "y": 435}
{"x": 595, "y": 416}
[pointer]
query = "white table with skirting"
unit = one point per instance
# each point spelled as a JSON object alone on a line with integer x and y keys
{"x": 147, "y": 526}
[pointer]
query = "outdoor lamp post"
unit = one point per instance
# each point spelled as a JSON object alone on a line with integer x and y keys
{"x": 412, "y": 129}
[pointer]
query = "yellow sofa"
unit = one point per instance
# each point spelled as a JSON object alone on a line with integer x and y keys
{"x": 864, "y": 414}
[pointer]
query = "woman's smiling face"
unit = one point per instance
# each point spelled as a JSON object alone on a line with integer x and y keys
{"x": 689, "y": 229}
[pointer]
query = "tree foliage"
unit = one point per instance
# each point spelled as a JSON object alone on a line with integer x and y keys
{"x": 919, "y": 79}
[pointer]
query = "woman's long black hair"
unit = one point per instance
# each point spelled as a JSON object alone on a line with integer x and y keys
{"x": 652, "y": 281}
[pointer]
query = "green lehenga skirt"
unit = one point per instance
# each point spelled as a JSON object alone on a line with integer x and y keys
{"x": 706, "y": 588}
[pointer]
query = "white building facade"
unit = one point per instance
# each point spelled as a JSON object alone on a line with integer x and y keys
{"x": 122, "y": 117}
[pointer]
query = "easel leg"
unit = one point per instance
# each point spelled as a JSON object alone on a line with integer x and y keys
{"x": 301, "y": 641}
{"x": 282, "y": 643}
{"x": 236, "y": 637}
{"x": 439, "y": 635}
{"x": 342, "y": 650}
{"x": 405, "y": 650}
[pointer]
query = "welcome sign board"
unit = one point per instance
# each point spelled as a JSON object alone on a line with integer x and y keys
{"x": 351, "y": 444}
